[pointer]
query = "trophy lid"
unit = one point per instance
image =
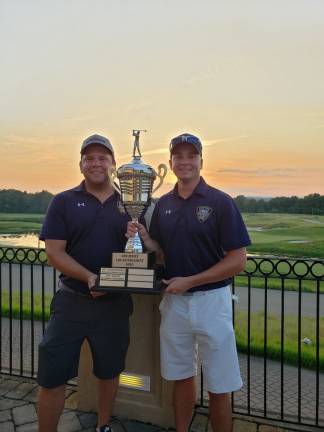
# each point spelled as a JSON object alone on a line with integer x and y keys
{"x": 136, "y": 168}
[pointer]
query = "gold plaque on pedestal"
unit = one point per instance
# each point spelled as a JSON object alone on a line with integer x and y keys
{"x": 127, "y": 259}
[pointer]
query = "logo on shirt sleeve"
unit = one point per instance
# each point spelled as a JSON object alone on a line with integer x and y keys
{"x": 203, "y": 213}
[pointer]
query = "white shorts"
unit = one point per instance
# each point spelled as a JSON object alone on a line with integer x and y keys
{"x": 200, "y": 324}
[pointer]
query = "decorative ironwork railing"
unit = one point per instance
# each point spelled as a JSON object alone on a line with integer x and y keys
{"x": 278, "y": 305}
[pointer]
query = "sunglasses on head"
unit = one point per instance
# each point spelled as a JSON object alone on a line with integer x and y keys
{"x": 186, "y": 138}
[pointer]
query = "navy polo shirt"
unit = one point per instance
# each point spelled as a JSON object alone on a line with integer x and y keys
{"x": 195, "y": 233}
{"x": 92, "y": 230}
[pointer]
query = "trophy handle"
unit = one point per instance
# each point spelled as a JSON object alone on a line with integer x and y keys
{"x": 162, "y": 170}
{"x": 112, "y": 174}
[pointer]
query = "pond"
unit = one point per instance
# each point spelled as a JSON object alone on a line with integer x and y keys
{"x": 21, "y": 240}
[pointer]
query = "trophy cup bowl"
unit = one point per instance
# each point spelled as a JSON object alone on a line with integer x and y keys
{"x": 130, "y": 269}
{"x": 136, "y": 188}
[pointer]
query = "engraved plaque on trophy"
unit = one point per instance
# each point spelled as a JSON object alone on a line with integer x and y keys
{"x": 130, "y": 269}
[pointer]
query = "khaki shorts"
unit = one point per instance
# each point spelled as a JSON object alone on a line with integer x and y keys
{"x": 200, "y": 325}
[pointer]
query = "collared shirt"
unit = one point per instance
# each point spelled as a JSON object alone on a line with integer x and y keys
{"x": 195, "y": 233}
{"x": 92, "y": 230}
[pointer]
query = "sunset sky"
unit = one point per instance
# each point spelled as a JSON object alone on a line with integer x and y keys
{"x": 246, "y": 76}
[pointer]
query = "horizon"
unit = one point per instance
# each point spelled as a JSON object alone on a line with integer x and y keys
{"x": 247, "y": 78}
{"x": 257, "y": 197}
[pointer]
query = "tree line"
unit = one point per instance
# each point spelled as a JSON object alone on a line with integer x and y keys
{"x": 310, "y": 204}
{"x": 15, "y": 201}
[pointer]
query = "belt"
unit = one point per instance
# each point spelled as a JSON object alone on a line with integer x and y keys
{"x": 201, "y": 292}
{"x": 65, "y": 288}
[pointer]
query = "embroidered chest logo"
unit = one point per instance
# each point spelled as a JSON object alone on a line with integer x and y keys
{"x": 203, "y": 213}
{"x": 167, "y": 212}
{"x": 121, "y": 208}
{"x": 81, "y": 204}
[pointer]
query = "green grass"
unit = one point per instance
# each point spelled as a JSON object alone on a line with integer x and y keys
{"x": 308, "y": 330}
{"x": 20, "y": 223}
{"x": 273, "y": 233}
{"x": 270, "y": 233}
{"x": 289, "y": 284}
{"x": 23, "y": 307}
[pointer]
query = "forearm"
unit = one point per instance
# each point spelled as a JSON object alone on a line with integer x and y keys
{"x": 150, "y": 244}
{"x": 231, "y": 265}
{"x": 153, "y": 246}
{"x": 68, "y": 266}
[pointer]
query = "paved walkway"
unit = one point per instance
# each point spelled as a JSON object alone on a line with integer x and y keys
{"x": 265, "y": 391}
{"x": 18, "y": 414}
{"x": 18, "y": 411}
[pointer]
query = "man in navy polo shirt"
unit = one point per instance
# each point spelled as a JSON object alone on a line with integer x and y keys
{"x": 203, "y": 238}
{"x": 83, "y": 226}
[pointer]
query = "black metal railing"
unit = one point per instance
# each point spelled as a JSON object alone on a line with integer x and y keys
{"x": 278, "y": 317}
{"x": 27, "y": 285}
{"x": 278, "y": 314}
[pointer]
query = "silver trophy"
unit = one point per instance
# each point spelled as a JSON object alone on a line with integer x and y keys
{"x": 136, "y": 188}
{"x": 131, "y": 270}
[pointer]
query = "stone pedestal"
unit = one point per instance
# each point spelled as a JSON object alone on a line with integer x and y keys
{"x": 143, "y": 358}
